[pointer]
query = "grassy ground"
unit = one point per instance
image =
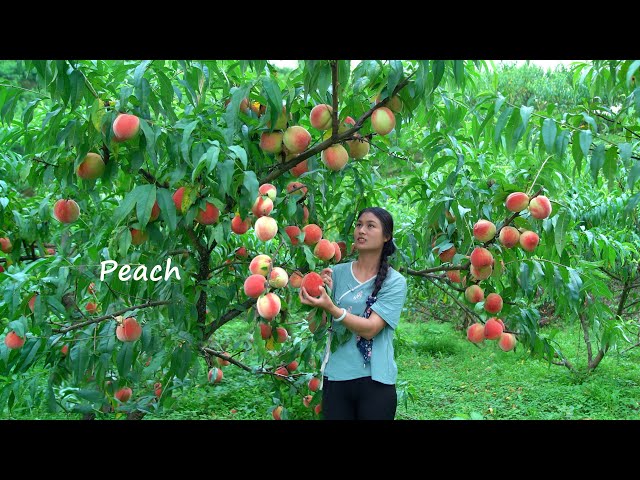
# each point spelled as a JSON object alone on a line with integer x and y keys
{"x": 447, "y": 377}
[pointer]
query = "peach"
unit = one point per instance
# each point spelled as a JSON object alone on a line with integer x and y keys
{"x": 265, "y": 330}
{"x": 516, "y": 201}
{"x": 529, "y": 240}
{"x": 157, "y": 389}
{"x": 324, "y": 250}
{"x": 394, "y": 103}
{"x": 255, "y": 285}
{"x": 474, "y": 294}
{"x": 262, "y": 206}
{"x": 138, "y": 237}
{"x": 509, "y": 236}
{"x": 314, "y": 384}
{"x": 32, "y": 302}
{"x": 221, "y": 361}
{"x": 177, "y": 199}
{"x": 279, "y": 278}
{"x": 271, "y": 142}
{"x": 540, "y": 207}
{"x": 277, "y": 413}
{"x": 493, "y": 329}
{"x": 66, "y": 211}
{"x": 281, "y": 122}
{"x": 318, "y": 408}
{"x": 481, "y": 257}
{"x": 240, "y": 226}
{"x": 295, "y": 281}
{"x": 305, "y": 214}
{"x": 481, "y": 273}
{"x": 5, "y": 245}
{"x": 312, "y": 234}
{"x": 64, "y": 350}
{"x": 447, "y": 255}
{"x": 300, "y": 188}
{"x": 13, "y": 341}
{"x": 209, "y": 215}
{"x": 453, "y": 275}
{"x": 358, "y": 148}
{"x": 215, "y": 375}
{"x": 337, "y": 253}
{"x": 269, "y": 190}
{"x": 92, "y": 167}
{"x": 293, "y": 232}
{"x": 129, "y": 330}
{"x": 475, "y": 333}
{"x": 155, "y": 212}
{"x": 268, "y": 306}
{"x": 343, "y": 248}
{"x": 125, "y": 127}
{"x": 320, "y": 116}
{"x": 266, "y": 228}
{"x": 383, "y": 120}
{"x": 484, "y": 230}
{"x": 91, "y": 307}
{"x": 296, "y": 139}
{"x": 493, "y": 303}
{"x": 335, "y": 157}
{"x": 242, "y": 252}
{"x": 307, "y": 399}
{"x": 312, "y": 283}
{"x": 124, "y": 394}
{"x": 260, "y": 264}
{"x": 451, "y": 218}
{"x": 281, "y": 371}
{"x": 299, "y": 169}
{"x": 293, "y": 366}
{"x": 281, "y": 335}
{"x": 507, "y": 342}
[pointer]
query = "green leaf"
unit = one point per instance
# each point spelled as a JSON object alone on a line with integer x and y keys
{"x": 549, "y": 134}
{"x": 212, "y": 155}
{"x": 225, "y": 173}
{"x": 631, "y": 71}
{"x": 79, "y": 355}
{"x": 458, "y": 72}
{"x": 395, "y": 75}
{"x": 525, "y": 114}
{"x": 126, "y": 206}
{"x": 150, "y": 138}
{"x": 139, "y": 72}
{"x": 124, "y": 359}
{"x": 585, "y": 141}
{"x": 576, "y": 150}
{"x": 560, "y": 231}
{"x": 187, "y": 140}
{"x": 438, "y": 72}
{"x": 502, "y": 121}
{"x": 625, "y": 151}
{"x": 76, "y": 80}
{"x": 250, "y": 181}
{"x": 344, "y": 71}
{"x": 181, "y": 360}
{"x": 632, "y": 203}
{"x": 597, "y": 160}
{"x": 610, "y": 166}
{"x": 144, "y": 204}
{"x": 240, "y": 153}
{"x": 274, "y": 98}
{"x": 575, "y": 284}
{"x": 167, "y": 207}
{"x": 634, "y": 174}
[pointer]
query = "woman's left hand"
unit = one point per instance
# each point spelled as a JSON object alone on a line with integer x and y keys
{"x": 323, "y": 301}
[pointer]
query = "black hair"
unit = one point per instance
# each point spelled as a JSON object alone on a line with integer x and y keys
{"x": 388, "y": 248}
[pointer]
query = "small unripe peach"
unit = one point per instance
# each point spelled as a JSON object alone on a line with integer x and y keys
{"x": 358, "y": 148}
{"x": 447, "y": 255}
{"x": 383, "y": 120}
{"x": 177, "y": 199}
{"x": 475, "y": 333}
{"x": 129, "y": 330}
{"x": 281, "y": 122}
{"x": 293, "y": 232}
{"x": 484, "y": 230}
{"x": 307, "y": 400}
{"x": 281, "y": 371}
{"x": 221, "y": 361}
{"x": 321, "y": 116}
{"x": 517, "y": 201}
{"x": 295, "y": 281}
{"x": 240, "y": 226}
{"x": 5, "y": 245}
{"x": 394, "y": 103}
{"x": 262, "y": 206}
{"x": 481, "y": 257}
{"x": 277, "y": 413}
{"x": 296, "y": 139}
{"x": 242, "y": 252}
{"x": 281, "y": 335}
{"x": 454, "y": 275}
{"x": 493, "y": 303}
{"x": 215, "y": 375}
{"x": 92, "y": 167}
{"x": 314, "y": 384}
{"x": 324, "y": 250}
{"x": 271, "y": 142}
{"x": 209, "y": 215}
{"x": 260, "y": 264}
{"x": 509, "y": 236}
{"x": 268, "y": 306}
{"x": 269, "y": 190}
{"x": 335, "y": 157}
{"x": 507, "y": 342}
{"x": 125, "y": 127}
{"x": 312, "y": 234}
{"x": 13, "y": 341}
{"x": 91, "y": 307}
{"x": 124, "y": 394}
{"x": 138, "y": 237}
{"x": 493, "y": 329}
{"x": 529, "y": 240}
{"x": 474, "y": 294}
{"x": 266, "y": 228}
{"x": 305, "y": 214}
{"x": 255, "y": 285}
{"x": 318, "y": 408}
{"x": 279, "y": 278}
{"x": 64, "y": 350}
{"x": 300, "y": 188}
{"x": 66, "y": 211}
{"x": 299, "y": 169}
{"x": 312, "y": 283}
{"x": 265, "y": 331}
{"x": 293, "y": 366}
{"x": 540, "y": 207}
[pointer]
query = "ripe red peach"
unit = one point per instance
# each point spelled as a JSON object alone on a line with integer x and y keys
{"x": 314, "y": 384}
{"x": 124, "y": 394}
{"x": 324, "y": 250}
{"x": 293, "y": 366}
{"x": 293, "y": 232}
{"x": 155, "y": 212}
{"x": 295, "y": 280}
{"x": 221, "y": 361}
{"x": 129, "y": 330}
{"x": 262, "y": 207}
{"x": 481, "y": 273}
{"x": 383, "y": 120}
{"x": 474, "y": 294}
{"x": 125, "y": 127}
{"x": 13, "y": 341}
{"x": 271, "y": 142}
{"x": 312, "y": 234}
{"x": 343, "y": 248}
{"x": 475, "y": 333}
{"x": 321, "y": 116}
{"x": 507, "y": 342}
{"x": 358, "y": 148}
{"x": 91, "y": 307}
{"x": 493, "y": 303}
{"x": 335, "y": 157}
{"x": 240, "y": 226}
{"x": 484, "y": 230}
{"x": 517, "y": 201}
{"x": 277, "y": 413}
{"x": 300, "y": 188}
{"x": 242, "y": 252}
{"x": 307, "y": 399}
{"x": 481, "y": 257}
{"x": 493, "y": 329}
{"x": 540, "y": 207}
{"x": 281, "y": 371}
{"x": 278, "y": 278}
{"x": 215, "y": 375}
{"x": 260, "y": 264}
{"x": 5, "y": 245}
{"x": 66, "y": 211}
{"x": 447, "y": 255}
{"x": 337, "y": 253}
{"x": 92, "y": 167}
{"x": 299, "y": 169}
{"x": 509, "y": 236}
{"x": 454, "y": 275}
{"x": 296, "y": 139}
{"x": 266, "y": 228}
{"x": 255, "y": 285}
{"x": 209, "y": 215}
{"x": 32, "y": 302}
{"x": 281, "y": 335}
{"x": 177, "y": 199}
{"x": 268, "y": 306}
{"x": 394, "y": 103}
{"x": 269, "y": 190}
{"x": 265, "y": 331}
{"x": 312, "y": 283}
{"x": 529, "y": 240}
{"x": 138, "y": 237}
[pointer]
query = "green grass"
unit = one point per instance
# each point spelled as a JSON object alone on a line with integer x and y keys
{"x": 446, "y": 377}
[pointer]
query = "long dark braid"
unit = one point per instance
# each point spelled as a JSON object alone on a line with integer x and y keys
{"x": 387, "y": 250}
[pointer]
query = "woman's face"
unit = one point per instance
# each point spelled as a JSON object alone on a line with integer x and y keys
{"x": 368, "y": 233}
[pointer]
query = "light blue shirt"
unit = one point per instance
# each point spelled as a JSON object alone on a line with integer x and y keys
{"x": 346, "y": 363}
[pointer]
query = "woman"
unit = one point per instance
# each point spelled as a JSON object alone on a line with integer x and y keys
{"x": 360, "y": 376}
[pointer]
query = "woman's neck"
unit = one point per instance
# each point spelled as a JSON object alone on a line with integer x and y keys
{"x": 368, "y": 263}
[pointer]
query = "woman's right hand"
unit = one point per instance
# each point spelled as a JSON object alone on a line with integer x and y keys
{"x": 325, "y": 274}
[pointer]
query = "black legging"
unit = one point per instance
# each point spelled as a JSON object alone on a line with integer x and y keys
{"x": 359, "y": 399}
